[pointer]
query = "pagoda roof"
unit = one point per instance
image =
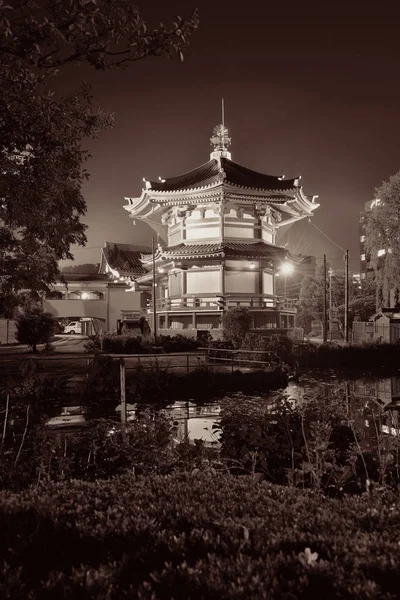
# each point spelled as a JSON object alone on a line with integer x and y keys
{"x": 226, "y": 249}
{"x": 210, "y": 173}
{"x": 124, "y": 258}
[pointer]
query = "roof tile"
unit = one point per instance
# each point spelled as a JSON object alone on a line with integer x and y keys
{"x": 236, "y": 174}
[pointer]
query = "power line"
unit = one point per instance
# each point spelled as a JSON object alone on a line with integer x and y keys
{"x": 327, "y": 236}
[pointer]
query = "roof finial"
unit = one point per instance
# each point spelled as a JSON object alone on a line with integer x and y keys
{"x": 220, "y": 139}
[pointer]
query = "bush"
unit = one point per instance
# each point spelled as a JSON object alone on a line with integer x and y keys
{"x": 366, "y": 357}
{"x": 280, "y": 345}
{"x": 100, "y": 394}
{"x": 34, "y": 326}
{"x": 236, "y": 324}
{"x": 201, "y": 535}
{"x": 137, "y": 344}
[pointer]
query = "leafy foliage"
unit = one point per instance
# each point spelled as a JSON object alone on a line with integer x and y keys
{"x": 382, "y": 233}
{"x": 214, "y": 535}
{"x": 236, "y": 324}
{"x": 279, "y": 345}
{"x": 132, "y": 343}
{"x": 41, "y": 133}
{"x": 34, "y": 326}
{"x": 362, "y": 301}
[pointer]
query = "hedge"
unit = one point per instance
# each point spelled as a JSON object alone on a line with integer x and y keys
{"x": 204, "y": 535}
{"x": 365, "y": 357}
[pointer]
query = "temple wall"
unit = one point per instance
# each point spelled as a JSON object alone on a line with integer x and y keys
{"x": 267, "y": 236}
{"x": 203, "y": 282}
{"x": 239, "y": 232}
{"x": 241, "y": 282}
{"x": 268, "y": 283}
{"x": 202, "y": 233}
{"x": 175, "y": 287}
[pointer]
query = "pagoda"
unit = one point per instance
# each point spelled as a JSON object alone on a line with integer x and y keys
{"x": 220, "y": 222}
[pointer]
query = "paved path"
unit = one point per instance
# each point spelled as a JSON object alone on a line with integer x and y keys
{"x": 63, "y": 344}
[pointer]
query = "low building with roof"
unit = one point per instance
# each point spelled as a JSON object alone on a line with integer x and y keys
{"x": 97, "y": 300}
{"x": 220, "y": 222}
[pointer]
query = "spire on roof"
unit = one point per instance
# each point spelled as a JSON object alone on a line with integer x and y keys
{"x": 220, "y": 138}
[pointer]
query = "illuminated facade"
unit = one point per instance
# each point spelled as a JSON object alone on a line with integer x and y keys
{"x": 219, "y": 221}
{"x": 366, "y": 268}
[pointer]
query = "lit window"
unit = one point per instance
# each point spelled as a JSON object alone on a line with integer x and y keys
{"x": 381, "y": 252}
{"x": 362, "y": 256}
{"x": 362, "y": 238}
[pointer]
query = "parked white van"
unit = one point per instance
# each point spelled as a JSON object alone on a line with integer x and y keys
{"x": 73, "y": 327}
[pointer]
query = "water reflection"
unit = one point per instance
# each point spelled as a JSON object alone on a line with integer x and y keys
{"x": 370, "y": 403}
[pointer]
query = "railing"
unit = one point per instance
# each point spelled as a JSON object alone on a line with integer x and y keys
{"x": 289, "y": 304}
{"x": 207, "y": 302}
{"x": 231, "y": 357}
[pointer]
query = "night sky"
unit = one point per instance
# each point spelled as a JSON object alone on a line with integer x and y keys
{"x": 309, "y": 90}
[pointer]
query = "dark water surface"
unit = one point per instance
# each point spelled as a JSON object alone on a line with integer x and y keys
{"x": 195, "y": 421}
{"x": 360, "y": 396}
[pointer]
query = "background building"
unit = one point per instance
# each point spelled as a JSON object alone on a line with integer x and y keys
{"x": 366, "y": 269}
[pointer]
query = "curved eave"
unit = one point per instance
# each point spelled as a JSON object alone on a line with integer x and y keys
{"x": 226, "y": 186}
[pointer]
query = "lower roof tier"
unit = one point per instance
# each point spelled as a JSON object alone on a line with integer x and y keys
{"x": 242, "y": 250}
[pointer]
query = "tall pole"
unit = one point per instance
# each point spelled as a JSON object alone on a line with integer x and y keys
{"x": 346, "y": 296}
{"x": 122, "y": 390}
{"x": 154, "y": 292}
{"x": 324, "y": 311}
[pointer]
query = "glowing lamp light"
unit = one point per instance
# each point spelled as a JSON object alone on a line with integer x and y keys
{"x": 84, "y": 296}
{"x": 287, "y": 268}
{"x": 252, "y": 265}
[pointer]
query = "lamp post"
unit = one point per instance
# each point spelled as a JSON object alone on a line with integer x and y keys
{"x": 286, "y": 269}
{"x": 330, "y": 273}
{"x": 154, "y": 292}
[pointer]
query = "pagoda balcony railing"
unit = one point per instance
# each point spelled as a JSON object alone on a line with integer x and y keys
{"x": 207, "y": 302}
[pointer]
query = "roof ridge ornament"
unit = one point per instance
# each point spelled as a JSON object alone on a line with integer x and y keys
{"x": 220, "y": 138}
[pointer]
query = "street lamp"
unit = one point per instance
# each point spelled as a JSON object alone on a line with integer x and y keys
{"x": 286, "y": 269}
{"x": 330, "y": 273}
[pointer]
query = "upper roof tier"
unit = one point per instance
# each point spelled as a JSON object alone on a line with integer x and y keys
{"x": 228, "y": 171}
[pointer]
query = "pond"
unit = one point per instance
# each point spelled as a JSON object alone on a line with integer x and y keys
{"x": 193, "y": 421}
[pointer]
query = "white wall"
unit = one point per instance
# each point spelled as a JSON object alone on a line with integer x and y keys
{"x": 174, "y": 239}
{"x": 119, "y": 300}
{"x": 242, "y": 282}
{"x": 202, "y": 233}
{"x": 239, "y": 232}
{"x": 267, "y": 236}
{"x": 206, "y": 282}
{"x": 175, "y": 284}
{"x": 268, "y": 283}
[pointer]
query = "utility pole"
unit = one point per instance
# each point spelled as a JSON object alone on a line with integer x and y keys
{"x": 122, "y": 391}
{"x": 346, "y": 296}
{"x": 324, "y": 311}
{"x": 154, "y": 292}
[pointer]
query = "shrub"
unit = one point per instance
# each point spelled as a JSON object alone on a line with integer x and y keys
{"x": 100, "y": 393}
{"x": 201, "y": 535}
{"x": 366, "y": 357}
{"x": 34, "y": 326}
{"x": 177, "y": 343}
{"x": 113, "y": 343}
{"x": 236, "y": 324}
